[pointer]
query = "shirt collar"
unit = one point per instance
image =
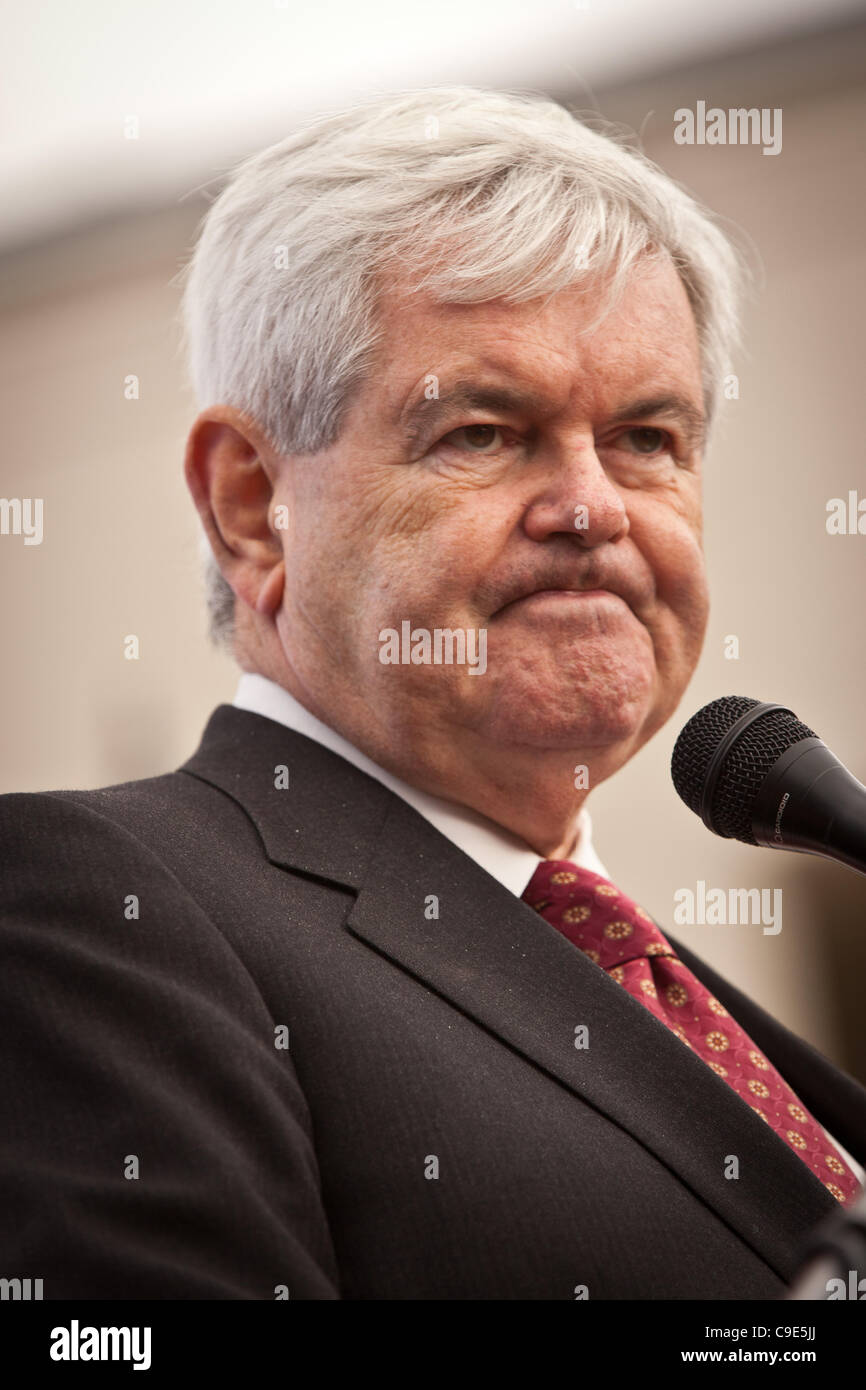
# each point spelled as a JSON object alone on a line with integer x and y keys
{"x": 504, "y": 856}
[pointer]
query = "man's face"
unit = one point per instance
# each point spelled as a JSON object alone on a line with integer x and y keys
{"x": 551, "y": 462}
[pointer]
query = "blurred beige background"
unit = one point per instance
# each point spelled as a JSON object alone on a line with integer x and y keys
{"x": 86, "y": 304}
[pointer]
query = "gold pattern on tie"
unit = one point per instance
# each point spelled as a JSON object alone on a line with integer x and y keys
{"x": 622, "y": 939}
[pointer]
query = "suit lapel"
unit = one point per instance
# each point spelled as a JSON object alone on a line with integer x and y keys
{"x": 314, "y": 811}
{"x": 503, "y": 965}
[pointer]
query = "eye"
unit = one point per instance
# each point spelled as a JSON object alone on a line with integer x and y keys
{"x": 481, "y": 438}
{"x": 647, "y": 440}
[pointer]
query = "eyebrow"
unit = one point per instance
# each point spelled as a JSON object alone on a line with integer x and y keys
{"x": 673, "y": 406}
{"x": 422, "y": 418}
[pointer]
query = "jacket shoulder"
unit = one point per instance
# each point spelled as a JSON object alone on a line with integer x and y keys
{"x": 131, "y": 1028}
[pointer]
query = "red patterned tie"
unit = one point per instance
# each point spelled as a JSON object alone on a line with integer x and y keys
{"x": 625, "y": 942}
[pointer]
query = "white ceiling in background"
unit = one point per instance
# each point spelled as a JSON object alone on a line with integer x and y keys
{"x": 209, "y": 80}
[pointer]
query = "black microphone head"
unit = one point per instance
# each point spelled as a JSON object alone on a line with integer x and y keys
{"x": 734, "y": 780}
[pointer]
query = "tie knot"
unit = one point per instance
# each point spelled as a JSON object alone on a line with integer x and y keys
{"x": 558, "y": 877}
{"x": 594, "y": 914}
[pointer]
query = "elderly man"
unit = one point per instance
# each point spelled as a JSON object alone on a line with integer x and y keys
{"x": 347, "y": 1007}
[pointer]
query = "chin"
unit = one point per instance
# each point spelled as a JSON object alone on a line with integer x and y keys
{"x": 574, "y": 719}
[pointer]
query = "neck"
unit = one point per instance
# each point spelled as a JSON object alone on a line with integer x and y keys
{"x": 528, "y": 791}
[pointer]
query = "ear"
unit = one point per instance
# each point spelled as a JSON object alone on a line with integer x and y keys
{"x": 231, "y": 470}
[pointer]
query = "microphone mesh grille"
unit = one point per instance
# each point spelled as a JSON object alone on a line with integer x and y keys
{"x": 745, "y": 766}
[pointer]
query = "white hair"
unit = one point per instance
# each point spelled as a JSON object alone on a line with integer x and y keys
{"x": 480, "y": 194}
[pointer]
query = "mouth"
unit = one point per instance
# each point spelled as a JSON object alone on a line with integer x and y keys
{"x": 559, "y": 597}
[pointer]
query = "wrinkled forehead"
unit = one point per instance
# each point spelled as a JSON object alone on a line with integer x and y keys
{"x": 576, "y": 342}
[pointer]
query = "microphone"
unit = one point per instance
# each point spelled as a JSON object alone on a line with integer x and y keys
{"x": 753, "y": 772}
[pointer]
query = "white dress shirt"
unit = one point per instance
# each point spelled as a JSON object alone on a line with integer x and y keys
{"x": 506, "y": 858}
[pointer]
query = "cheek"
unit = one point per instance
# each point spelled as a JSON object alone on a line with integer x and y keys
{"x": 669, "y": 536}
{"x": 684, "y": 579}
{"x": 683, "y": 598}
{"x": 438, "y": 562}
{"x": 671, "y": 547}
{"x": 338, "y": 542}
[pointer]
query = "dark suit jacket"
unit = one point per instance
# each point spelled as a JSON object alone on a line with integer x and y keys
{"x": 411, "y": 1039}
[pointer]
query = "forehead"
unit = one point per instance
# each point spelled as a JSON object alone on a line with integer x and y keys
{"x": 573, "y": 342}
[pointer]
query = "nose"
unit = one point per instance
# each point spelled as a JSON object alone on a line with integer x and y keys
{"x": 576, "y": 497}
